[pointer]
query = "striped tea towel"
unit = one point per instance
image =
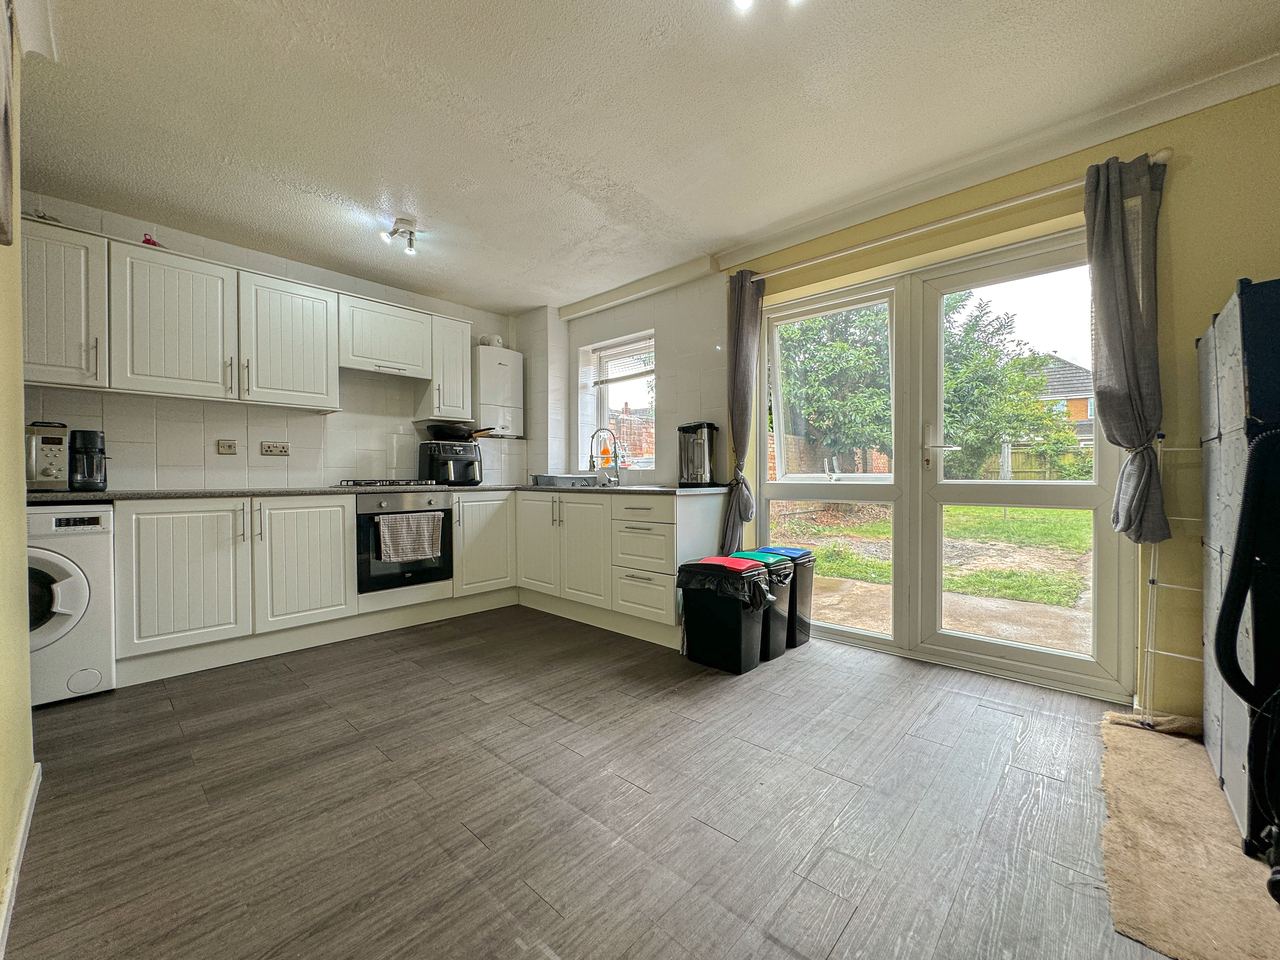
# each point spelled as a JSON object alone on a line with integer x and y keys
{"x": 409, "y": 536}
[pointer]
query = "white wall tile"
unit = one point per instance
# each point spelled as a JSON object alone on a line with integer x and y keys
{"x": 32, "y": 403}
{"x": 180, "y": 478}
{"x": 129, "y": 417}
{"x": 306, "y": 429}
{"x": 179, "y": 444}
{"x": 269, "y": 476}
{"x": 132, "y": 465}
{"x": 306, "y": 466}
{"x": 187, "y": 411}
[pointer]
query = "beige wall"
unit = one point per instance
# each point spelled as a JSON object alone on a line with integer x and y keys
{"x": 1220, "y": 221}
{"x": 15, "y": 689}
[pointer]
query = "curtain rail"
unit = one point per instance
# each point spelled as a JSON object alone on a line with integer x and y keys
{"x": 1161, "y": 156}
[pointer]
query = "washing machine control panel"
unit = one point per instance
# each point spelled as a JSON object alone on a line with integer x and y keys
{"x": 68, "y": 522}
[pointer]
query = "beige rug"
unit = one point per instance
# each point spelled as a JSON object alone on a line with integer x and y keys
{"x": 1175, "y": 874}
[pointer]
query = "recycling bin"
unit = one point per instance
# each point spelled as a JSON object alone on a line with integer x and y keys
{"x": 724, "y": 603}
{"x": 800, "y": 614}
{"x": 773, "y": 636}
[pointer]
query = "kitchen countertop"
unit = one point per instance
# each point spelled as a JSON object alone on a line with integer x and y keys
{"x": 108, "y": 496}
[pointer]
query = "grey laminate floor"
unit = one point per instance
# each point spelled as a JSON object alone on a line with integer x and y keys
{"x": 515, "y": 785}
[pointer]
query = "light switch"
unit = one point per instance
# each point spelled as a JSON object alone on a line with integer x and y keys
{"x": 226, "y": 448}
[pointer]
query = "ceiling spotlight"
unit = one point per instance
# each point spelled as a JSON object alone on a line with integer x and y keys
{"x": 742, "y": 4}
{"x": 403, "y": 227}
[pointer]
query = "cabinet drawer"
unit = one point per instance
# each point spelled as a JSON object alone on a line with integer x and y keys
{"x": 640, "y": 506}
{"x": 644, "y": 546}
{"x": 648, "y": 595}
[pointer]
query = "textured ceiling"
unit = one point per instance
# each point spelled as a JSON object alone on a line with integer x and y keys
{"x": 554, "y": 150}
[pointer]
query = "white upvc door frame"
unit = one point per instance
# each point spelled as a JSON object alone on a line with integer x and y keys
{"x": 918, "y": 494}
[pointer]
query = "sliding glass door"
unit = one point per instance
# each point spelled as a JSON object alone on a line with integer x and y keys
{"x": 932, "y": 439}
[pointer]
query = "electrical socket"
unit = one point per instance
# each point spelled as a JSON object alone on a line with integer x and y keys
{"x": 226, "y": 448}
{"x": 277, "y": 448}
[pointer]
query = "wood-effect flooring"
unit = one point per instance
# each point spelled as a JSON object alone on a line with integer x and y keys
{"x": 515, "y": 785}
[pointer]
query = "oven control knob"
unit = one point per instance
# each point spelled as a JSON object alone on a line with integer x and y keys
{"x": 382, "y": 503}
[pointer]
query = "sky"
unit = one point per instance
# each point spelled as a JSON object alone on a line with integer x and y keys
{"x": 1052, "y": 312}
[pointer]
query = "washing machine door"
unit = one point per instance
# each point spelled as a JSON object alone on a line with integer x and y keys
{"x": 57, "y": 596}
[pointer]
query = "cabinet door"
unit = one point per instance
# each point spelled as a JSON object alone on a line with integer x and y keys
{"x": 451, "y": 368}
{"x": 183, "y": 573}
{"x": 383, "y": 338}
{"x": 173, "y": 324}
{"x": 304, "y": 560}
{"x": 537, "y": 542}
{"x": 486, "y": 554}
{"x": 64, "y": 306}
{"x": 288, "y": 342}
{"x": 586, "y": 522}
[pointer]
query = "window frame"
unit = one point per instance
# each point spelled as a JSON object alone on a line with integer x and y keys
{"x": 599, "y": 388}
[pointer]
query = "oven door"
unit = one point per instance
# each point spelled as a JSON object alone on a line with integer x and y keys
{"x": 372, "y": 574}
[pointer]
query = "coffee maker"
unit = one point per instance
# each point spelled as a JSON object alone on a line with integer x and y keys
{"x": 87, "y": 471}
{"x": 697, "y": 454}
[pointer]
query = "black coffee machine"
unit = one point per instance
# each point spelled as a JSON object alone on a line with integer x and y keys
{"x": 87, "y": 470}
{"x": 453, "y": 463}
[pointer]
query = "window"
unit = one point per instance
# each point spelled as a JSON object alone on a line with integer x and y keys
{"x": 1090, "y": 416}
{"x": 617, "y": 389}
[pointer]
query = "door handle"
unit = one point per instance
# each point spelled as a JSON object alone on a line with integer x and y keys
{"x": 388, "y": 366}
{"x": 260, "y": 526}
{"x": 439, "y": 400}
{"x": 243, "y": 537}
{"x": 553, "y": 511}
{"x": 231, "y": 374}
{"x": 247, "y": 379}
{"x": 930, "y": 447}
{"x": 636, "y": 576}
{"x": 644, "y": 529}
{"x": 97, "y": 360}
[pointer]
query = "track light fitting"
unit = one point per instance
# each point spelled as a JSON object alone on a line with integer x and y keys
{"x": 403, "y": 227}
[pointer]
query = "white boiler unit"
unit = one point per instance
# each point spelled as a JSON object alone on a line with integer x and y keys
{"x": 498, "y": 390}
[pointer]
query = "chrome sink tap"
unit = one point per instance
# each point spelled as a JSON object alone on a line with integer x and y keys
{"x": 615, "y": 453}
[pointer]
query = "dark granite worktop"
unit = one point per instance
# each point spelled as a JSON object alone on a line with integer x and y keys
{"x": 109, "y": 496}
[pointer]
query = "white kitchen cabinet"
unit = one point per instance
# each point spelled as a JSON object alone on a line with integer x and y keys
{"x": 384, "y": 338}
{"x": 538, "y": 541}
{"x": 64, "y": 306}
{"x": 585, "y": 548}
{"x": 651, "y": 596}
{"x": 450, "y": 393}
{"x": 304, "y": 560}
{"x": 183, "y": 573}
{"x": 484, "y": 556}
{"x": 288, "y": 343}
{"x": 173, "y": 324}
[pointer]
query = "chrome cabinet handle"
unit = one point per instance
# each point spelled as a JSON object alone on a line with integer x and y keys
{"x": 247, "y": 379}
{"x": 260, "y": 525}
{"x": 636, "y": 576}
{"x": 554, "y": 501}
{"x": 439, "y": 399}
{"x": 97, "y": 361}
{"x": 637, "y": 508}
{"x": 388, "y": 366}
{"x": 645, "y": 529}
{"x": 231, "y": 374}
{"x": 243, "y": 537}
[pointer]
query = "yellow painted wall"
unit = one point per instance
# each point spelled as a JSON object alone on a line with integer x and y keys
{"x": 15, "y": 685}
{"x": 1220, "y": 220}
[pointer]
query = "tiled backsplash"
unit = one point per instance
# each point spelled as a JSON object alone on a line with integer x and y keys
{"x": 172, "y": 444}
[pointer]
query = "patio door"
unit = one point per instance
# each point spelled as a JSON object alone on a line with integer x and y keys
{"x": 932, "y": 439}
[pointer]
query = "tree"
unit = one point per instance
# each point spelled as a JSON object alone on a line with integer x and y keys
{"x": 836, "y": 385}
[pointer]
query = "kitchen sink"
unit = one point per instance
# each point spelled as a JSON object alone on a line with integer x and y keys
{"x": 565, "y": 480}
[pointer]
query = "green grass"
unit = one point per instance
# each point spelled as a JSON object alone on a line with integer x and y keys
{"x": 833, "y": 560}
{"x": 1070, "y": 530}
{"x": 1031, "y": 586}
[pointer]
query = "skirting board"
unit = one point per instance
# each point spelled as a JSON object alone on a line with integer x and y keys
{"x": 173, "y": 663}
{"x": 14, "y": 863}
{"x": 659, "y": 633}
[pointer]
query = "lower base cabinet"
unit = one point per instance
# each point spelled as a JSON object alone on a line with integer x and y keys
{"x": 304, "y": 560}
{"x": 564, "y": 545}
{"x": 639, "y": 593}
{"x": 183, "y": 573}
{"x": 484, "y": 556}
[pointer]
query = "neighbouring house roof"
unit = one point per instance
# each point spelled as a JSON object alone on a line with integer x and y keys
{"x": 1065, "y": 380}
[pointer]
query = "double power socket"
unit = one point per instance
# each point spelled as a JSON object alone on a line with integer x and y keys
{"x": 270, "y": 448}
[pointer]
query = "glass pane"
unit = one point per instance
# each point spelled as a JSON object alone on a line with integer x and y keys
{"x": 1017, "y": 383}
{"x": 833, "y": 412}
{"x": 630, "y": 416}
{"x": 853, "y": 554}
{"x": 1018, "y": 573}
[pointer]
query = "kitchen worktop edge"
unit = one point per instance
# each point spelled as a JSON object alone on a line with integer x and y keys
{"x": 109, "y": 496}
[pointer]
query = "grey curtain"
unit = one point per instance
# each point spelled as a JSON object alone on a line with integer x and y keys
{"x": 1121, "y": 205}
{"x": 745, "y": 316}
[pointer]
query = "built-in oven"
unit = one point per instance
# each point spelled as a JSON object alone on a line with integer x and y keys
{"x": 372, "y": 572}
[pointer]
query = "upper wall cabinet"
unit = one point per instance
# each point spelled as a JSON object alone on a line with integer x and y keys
{"x": 64, "y": 306}
{"x": 384, "y": 338}
{"x": 450, "y": 394}
{"x": 173, "y": 324}
{"x": 288, "y": 343}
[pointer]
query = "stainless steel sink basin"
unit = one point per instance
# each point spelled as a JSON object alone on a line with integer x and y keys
{"x": 565, "y": 480}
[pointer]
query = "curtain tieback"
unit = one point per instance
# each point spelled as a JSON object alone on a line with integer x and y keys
{"x": 1132, "y": 450}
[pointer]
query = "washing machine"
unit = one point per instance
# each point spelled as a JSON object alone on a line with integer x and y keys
{"x": 71, "y": 600}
